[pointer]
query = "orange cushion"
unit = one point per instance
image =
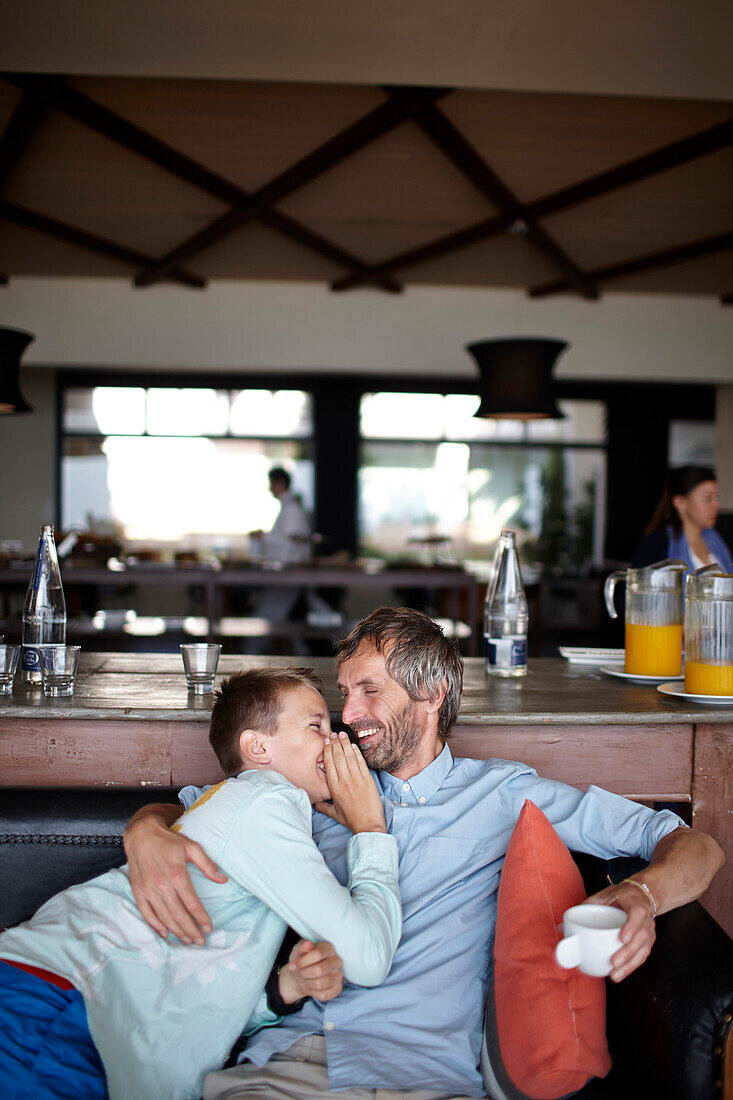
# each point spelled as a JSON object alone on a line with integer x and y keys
{"x": 548, "y": 1024}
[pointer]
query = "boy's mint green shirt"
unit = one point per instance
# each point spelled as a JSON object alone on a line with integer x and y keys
{"x": 163, "y": 1014}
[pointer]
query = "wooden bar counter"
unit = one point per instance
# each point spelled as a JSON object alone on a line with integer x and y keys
{"x": 131, "y": 721}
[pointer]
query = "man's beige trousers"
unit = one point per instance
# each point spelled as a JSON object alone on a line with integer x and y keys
{"x": 300, "y": 1073}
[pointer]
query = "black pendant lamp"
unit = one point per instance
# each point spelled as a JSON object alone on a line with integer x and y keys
{"x": 516, "y": 377}
{"x": 13, "y": 342}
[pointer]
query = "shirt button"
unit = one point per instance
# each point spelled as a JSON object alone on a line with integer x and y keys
{"x": 422, "y": 798}
{"x": 403, "y": 803}
{"x": 394, "y": 801}
{"x": 329, "y": 1026}
{"x": 405, "y": 786}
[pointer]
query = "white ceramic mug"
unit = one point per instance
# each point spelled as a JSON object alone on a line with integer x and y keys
{"x": 591, "y": 938}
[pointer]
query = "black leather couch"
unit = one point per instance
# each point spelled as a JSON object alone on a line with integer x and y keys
{"x": 669, "y": 1024}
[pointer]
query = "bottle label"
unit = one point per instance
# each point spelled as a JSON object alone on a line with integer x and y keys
{"x": 31, "y": 661}
{"x": 506, "y": 652}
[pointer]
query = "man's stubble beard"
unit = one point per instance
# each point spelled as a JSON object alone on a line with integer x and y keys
{"x": 399, "y": 743}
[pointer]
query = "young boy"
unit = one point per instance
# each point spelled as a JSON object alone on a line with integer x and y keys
{"x": 160, "y": 1013}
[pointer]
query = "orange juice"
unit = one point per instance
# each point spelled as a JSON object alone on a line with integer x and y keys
{"x": 708, "y": 679}
{"x": 653, "y": 650}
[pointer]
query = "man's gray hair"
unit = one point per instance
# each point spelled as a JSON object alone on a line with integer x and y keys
{"x": 418, "y": 656}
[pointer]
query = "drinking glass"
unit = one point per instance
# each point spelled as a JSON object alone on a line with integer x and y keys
{"x": 58, "y": 668}
{"x": 199, "y": 662}
{"x": 709, "y": 633}
{"x": 8, "y": 663}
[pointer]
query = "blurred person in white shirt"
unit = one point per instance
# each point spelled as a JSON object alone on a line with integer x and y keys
{"x": 289, "y": 541}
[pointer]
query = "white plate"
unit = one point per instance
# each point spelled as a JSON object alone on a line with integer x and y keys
{"x": 580, "y": 655}
{"x": 673, "y": 688}
{"x": 634, "y": 676}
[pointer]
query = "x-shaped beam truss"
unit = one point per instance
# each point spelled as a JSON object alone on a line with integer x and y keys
{"x": 522, "y": 216}
{"x": 418, "y": 104}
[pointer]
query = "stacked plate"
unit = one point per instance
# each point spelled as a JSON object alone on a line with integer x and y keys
{"x": 580, "y": 655}
{"x": 674, "y": 688}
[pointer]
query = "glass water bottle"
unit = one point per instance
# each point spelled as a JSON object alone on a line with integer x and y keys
{"x": 505, "y": 614}
{"x": 44, "y": 611}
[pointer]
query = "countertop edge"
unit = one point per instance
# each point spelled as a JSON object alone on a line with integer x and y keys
{"x": 639, "y": 718}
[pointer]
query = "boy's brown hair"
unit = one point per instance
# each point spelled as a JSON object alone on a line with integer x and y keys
{"x": 251, "y": 700}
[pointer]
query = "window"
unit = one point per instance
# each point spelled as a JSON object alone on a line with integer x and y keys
{"x": 430, "y": 469}
{"x": 180, "y": 465}
{"x": 691, "y": 443}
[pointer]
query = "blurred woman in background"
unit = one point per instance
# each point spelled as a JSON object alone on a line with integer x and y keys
{"x": 683, "y": 525}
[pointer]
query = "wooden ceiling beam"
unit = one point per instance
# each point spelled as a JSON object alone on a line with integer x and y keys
{"x": 461, "y": 153}
{"x": 633, "y": 171}
{"x": 694, "y": 250}
{"x": 80, "y": 107}
{"x": 60, "y": 231}
{"x": 451, "y": 242}
{"x": 288, "y": 227}
{"x": 355, "y": 137}
{"x": 248, "y": 207}
{"x": 22, "y": 125}
{"x": 325, "y": 248}
{"x": 40, "y": 92}
{"x": 92, "y": 114}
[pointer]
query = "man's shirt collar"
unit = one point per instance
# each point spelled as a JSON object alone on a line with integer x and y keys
{"x": 419, "y": 788}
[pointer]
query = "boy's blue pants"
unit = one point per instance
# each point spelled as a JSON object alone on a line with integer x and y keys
{"x": 46, "y": 1051}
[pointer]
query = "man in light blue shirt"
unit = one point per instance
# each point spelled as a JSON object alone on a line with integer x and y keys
{"x": 419, "y": 1033}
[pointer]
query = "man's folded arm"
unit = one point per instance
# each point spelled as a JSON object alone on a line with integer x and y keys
{"x": 158, "y": 866}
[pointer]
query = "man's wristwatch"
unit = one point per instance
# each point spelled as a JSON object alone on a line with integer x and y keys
{"x": 274, "y": 1001}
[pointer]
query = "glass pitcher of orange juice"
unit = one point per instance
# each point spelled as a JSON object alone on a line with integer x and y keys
{"x": 709, "y": 633}
{"x": 653, "y": 618}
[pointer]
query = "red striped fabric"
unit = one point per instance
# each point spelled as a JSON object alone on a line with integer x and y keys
{"x": 38, "y": 972}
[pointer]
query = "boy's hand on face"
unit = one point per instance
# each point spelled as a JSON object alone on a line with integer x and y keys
{"x": 313, "y": 970}
{"x": 356, "y": 802}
